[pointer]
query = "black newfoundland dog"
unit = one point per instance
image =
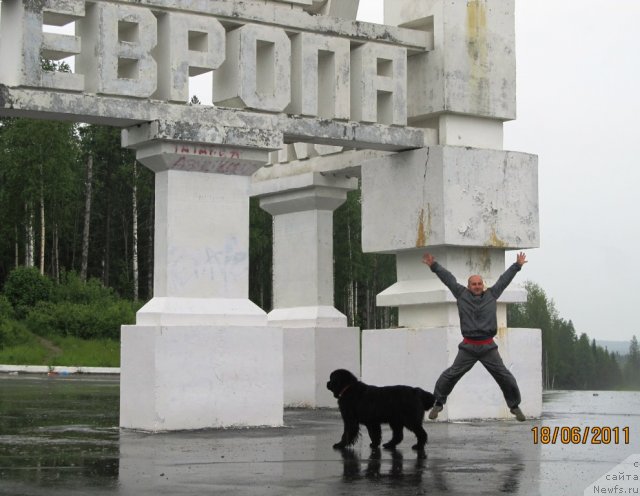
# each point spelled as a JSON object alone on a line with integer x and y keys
{"x": 398, "y": 406}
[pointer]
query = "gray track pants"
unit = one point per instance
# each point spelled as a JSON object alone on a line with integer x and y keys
{"x": 468, "y": 355}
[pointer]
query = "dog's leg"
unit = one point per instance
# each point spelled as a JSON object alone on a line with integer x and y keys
{"x": 396, "y": 437}
{"x": 421, "y": 435}
{"x": 349, "y": 436}
{"x": 375, "y": 433}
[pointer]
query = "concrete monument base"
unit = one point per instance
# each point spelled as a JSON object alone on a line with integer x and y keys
{"x": 309, "y": 316}
{"x": 196, "y": 377}
{"x": 417, "y": 357}
{"x": 310, "y": 354}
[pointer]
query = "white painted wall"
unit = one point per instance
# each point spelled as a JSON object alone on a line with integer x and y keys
{"x": 195, "y": 377}
{"x": 310, "y": 355}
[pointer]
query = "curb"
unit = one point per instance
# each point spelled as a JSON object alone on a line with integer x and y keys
{"x": 61, "y": 370}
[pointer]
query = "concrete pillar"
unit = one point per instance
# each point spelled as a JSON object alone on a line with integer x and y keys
{"x": 316, "y": 337}
{"x": 201, "y": 354}
{"x": 466, "y": 201}
{"x": 464, "y": 88}
{"x": 466, "y": 206}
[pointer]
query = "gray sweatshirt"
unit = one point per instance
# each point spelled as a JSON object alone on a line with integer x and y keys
{"x": 477, "y": 313}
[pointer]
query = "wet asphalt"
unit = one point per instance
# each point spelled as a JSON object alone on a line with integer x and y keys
{"x": 60, "y": 436}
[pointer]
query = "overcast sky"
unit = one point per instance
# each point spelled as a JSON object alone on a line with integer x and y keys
{"x": 578, "y": 96}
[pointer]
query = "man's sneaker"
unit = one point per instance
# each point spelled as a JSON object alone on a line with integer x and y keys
{"x": 518, "y": 413}
{"x": 433, "y": 414}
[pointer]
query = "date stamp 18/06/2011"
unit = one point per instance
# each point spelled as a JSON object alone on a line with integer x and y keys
{"x": 580, "y": 435}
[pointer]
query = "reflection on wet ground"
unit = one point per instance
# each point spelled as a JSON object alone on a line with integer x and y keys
{"x": 59, "y": 436}
{"x": 56, "y": 432}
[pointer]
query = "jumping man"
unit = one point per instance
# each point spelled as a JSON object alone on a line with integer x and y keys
{"x": 479, "y": 325}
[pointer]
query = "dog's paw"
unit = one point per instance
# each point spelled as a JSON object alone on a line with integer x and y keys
{"x": 339, "y": 446}
{"x": 389, "y": 445}
{"x": 418, "y": 447}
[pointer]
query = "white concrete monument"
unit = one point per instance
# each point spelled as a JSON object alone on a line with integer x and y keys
{"x": 201, "y": 354}
{"x": 466, "y": 201}
{"x": 302, "y": 201}
{"x": 296, "y": 78}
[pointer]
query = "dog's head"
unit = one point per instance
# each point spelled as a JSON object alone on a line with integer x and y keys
{"x": 339, "y": 381}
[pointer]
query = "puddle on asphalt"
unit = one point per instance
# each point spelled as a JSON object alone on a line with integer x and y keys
{"x": 59, "y": 431}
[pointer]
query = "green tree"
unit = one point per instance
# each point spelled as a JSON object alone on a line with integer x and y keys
{"x": 585, "y": 363}
{"x": 538, "y": 313}
{"x": 569, "y": 361}
{"x": 632, "y": 365}
{"x": 37, "y": 190}
{"x": 358, "y": 276}
{"x": 111, "y": 254}
{"x": 608, "y": 374}
{"x": 25, "y": 287}
{"x": 38, "y": 181}
{"x": 260, "y": 256}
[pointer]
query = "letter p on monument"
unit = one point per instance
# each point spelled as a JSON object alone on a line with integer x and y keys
{"x": 189, "y": 45}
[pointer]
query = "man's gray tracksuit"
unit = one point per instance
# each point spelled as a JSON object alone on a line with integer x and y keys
{"x": 478, "y": 323}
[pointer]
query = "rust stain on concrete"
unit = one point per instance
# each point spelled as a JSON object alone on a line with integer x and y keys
{"x": 485, "y": 260}
{"x": 495, "y": 241}
{"x": 477, "y": 30}
{"x": 424, "y": 227}
{"x": 477, "y": 48}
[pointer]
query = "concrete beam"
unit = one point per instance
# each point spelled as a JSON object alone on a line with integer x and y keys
{"x": 125, "y": 112}
{"x": 346, "y": 163}
{"x": 188, "y": 132}
{"x": 350, "y": 134}
{"x": 233, "y": 13}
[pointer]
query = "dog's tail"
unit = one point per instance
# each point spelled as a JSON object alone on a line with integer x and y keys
{"x": 428, "y": 399}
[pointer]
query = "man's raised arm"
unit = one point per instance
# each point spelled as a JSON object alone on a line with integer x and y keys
{"x": 505, "y": 279}
{"x": 443, "y": 274}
